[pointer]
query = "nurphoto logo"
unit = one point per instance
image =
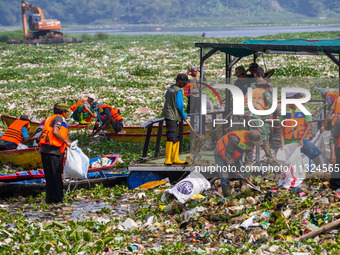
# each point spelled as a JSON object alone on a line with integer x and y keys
{"x": 239, "y": 99}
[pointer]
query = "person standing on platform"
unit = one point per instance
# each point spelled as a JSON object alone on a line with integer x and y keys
{"x": 173, "y": 112}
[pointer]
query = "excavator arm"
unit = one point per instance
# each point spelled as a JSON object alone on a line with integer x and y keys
{"x": 28, "y": 7}
{"x": 41, "y": 27}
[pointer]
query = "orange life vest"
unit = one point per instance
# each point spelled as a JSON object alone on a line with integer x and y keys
{"x": 75, "y": 106}
{"x": 222, "y": 143}
{"x": 189, "y": 87}
{"x": 337, "y": 110}
{"x": 114, "y": 112}
{"x": 47, "y": 136}
{"x": 257, "y": 96}
{"x": 297, "y": 131}
{"x": 13, "y": 133}
{"x": 334, "y": 95}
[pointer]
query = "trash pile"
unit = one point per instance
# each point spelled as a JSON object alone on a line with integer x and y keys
{"x": 191, "y": 216}
{"x": 278, "y": 221}
{"x": 101, "y": 162}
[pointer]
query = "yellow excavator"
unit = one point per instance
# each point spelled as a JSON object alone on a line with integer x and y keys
{"x": 41, "y": 30}
{"x": 39, "y": 26}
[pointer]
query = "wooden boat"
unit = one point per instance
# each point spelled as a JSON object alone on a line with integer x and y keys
{"x": 38, "y": 174}
{"x": 34, "y": 187}
{"x": 142, "y": 130}
{"x": 33, "y": 183}
{"x": 137, "y": 138}
{"x": 7, "y": 120}
{"x": 27, "y": 158}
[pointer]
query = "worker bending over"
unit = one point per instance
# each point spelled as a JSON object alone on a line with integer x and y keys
{"x": 17, "y": 133}
{"x": 229, "y": 152}
{"x": 82, "y": 111}
{"x": 106, "y": 115}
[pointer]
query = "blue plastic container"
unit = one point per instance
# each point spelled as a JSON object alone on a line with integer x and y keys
{"x": 135, "y": 179}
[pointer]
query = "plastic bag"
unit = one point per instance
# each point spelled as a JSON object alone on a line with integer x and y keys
{"x": 193, "y": 184}
{"x": 22, "y": 146}
{"x": 77, "y": 163}
{"x": 293, "y": 171}
{"x": 322, "y": 142}
{"x": 37, "y": 133}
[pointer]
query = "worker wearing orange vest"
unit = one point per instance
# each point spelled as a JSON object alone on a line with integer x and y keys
{"x": 192, "y": 88}
{"x": 334, "y": 109}
{"x": 261, "y": 100}
{"x": 298, "y": 131}
{"x": 82, "y": 111}
{"x": 230, "y": 150}
{"x": 107, "y": 115}
{"x": 334, "y": 144}
{"x": 329, "y": 97}
{"x": 53, "y": 142}
{"x": 17, "y": 133}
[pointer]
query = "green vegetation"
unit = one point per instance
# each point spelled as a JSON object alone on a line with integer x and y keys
{"x": 188, "y": 12}
{"x": 11, "y": 35}
{"x": 131, "y": 73}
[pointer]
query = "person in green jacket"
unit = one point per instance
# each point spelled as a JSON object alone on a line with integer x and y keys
{"x": 173, "y": 112}
{"x": 82, "y": 111}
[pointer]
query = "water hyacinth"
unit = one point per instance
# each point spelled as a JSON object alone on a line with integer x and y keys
{"x": 133, "y": 73}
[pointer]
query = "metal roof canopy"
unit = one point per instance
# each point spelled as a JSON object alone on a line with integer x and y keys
{"x": 328, "y": 47}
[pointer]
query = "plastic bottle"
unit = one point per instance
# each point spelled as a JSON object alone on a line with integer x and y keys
{"x": 135, "y": 247}
{"x": 306, "y": 215}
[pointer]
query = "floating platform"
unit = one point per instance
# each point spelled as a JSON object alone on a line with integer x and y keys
{"x": 153, "y": 169}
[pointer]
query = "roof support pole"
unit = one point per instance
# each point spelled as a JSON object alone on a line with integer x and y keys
{"x": 202, "y": 59}
{"x": 234, "y": 61}
{"x": 337, "y": 62}
{"x": 256, "y": 55}
{"x": 209, "y": 54}
{"x": 228, "y": 104}
{"x": 330, "y": 55}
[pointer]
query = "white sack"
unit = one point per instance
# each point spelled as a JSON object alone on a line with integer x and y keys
{"x": 77, "y": 163}
{"x": 293, "y": 172}
{"x": 193, "y": 184}
{"x": 322, "y": 142}
{"x": 22, "y": 146}
{"x": 37, "y": 133}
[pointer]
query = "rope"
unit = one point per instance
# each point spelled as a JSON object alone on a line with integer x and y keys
{"x": 100, "y": 121}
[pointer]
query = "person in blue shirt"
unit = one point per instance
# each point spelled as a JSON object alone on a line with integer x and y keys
{"x": 173, "y": 112}
{"x": 17, "y": 133}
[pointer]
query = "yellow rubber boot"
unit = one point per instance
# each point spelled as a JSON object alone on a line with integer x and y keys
{"x": 81, "y": 120}
{"x": 168, "y": 152}
{"x": 175, "y": 152}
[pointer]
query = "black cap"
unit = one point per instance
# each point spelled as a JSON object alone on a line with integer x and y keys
{"x": 24, "y": 117}
{"x": 94, "y": 104}
{"x": 253, "y": 67}
{"x": 182, "y": 77}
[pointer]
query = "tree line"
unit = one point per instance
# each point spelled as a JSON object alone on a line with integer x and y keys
{"x": 85, "y": 12}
